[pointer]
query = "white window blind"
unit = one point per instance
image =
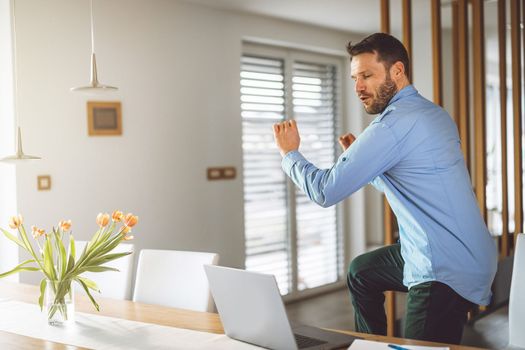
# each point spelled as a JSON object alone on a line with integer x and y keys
{"x": 286, "y": 234}
{"x": 265, "y": 202}
{"x": 314, "y": 108}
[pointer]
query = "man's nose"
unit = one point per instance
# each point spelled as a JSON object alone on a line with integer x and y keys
{"x": 359, "y": 86}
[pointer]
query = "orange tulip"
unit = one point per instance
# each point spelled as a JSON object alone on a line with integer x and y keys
{"x": 117, "y": 216}
{"x": 128, "y": 238}
{"x": 37, "y": 232}
{"x": 65, "y": 225}
{"x": 102, "y": 220}
{"x": 131, "y": 220}
{"x": 16, "y": 221}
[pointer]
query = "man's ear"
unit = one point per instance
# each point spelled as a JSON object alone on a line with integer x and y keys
{"x": 397, "y": 70}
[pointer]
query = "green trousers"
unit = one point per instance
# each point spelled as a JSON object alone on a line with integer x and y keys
{"x": 434, "y": 311}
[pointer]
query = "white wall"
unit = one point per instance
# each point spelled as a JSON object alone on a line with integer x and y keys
{"x": 177, "y": 67}
{"x": 8, "y": 250}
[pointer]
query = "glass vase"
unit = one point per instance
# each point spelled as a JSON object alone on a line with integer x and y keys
{"x": 59, "y": 303}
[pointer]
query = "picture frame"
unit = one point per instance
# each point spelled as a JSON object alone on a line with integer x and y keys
{"x": 44, "y": 182}
{"x": 104, "y": 118}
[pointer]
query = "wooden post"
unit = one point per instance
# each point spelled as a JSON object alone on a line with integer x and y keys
{"x": 502, "y": 42}
{"x": 516, "y": 102}
{"x": 385, "y": 16}
{"x": 437, "y": 76}
{"x": 455, "y": 67}
{"x": 407, "y": 33}
{"x": 388, "y": 217}
{"x": 463, "y": 79}
{"x": 478, "y": 55}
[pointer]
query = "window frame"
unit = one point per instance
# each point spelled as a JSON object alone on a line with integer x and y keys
{"x": 289, "y": 56}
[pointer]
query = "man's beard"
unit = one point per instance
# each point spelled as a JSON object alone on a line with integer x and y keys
{"x": 384, "y": 94}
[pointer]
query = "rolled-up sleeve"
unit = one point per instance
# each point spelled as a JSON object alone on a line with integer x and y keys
{"x": 375, "y": 151}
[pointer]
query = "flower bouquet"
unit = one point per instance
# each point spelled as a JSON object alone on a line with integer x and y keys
{"x": 59, "y": 265}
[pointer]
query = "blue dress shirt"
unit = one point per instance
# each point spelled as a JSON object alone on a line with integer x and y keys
{"x": 412, "y": 153}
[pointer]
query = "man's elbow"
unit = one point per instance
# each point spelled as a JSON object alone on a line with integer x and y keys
{"x": 325, "y": 202}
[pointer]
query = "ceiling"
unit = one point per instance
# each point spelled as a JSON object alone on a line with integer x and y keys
{"x": 358, "y": 16}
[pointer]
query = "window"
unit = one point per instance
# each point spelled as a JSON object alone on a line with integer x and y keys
{"x": 286, "y": 234}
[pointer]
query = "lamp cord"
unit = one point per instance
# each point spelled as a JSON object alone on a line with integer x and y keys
{"x": 15, "y": 64}
{"x": 92, "y": 28}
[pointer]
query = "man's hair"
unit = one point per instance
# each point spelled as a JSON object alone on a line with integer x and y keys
{"x": 389, "y": 50}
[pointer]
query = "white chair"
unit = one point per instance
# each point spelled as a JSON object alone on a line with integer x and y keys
{"x": 174, "y": 278}
{"x": 517, "y": 296}
{"x": 112, "y": 284}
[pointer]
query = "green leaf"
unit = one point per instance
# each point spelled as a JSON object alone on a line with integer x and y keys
{"x": 13, "y": 238}
{"x": 43, "y": 285}
{"x": 88, "y": 293}
{"x": 62, "y": 258}
{"x": 89, "y": 283}
{"x": 48, "y": 259}
{"x": 25, "y": 240}
{"x": 70, "y": 264}
{"x": 72, "y": 251}
{"x": 99, "y": 269}
{"x": 20, "y": 267}
{"x": 106, "y": 258}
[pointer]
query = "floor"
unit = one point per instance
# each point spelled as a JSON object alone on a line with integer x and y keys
{"x": 334, "y": 310}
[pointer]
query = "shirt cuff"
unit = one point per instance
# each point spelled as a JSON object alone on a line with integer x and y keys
{"x": 290, "y": 159}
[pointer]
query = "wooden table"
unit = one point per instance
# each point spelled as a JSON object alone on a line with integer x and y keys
{"x": 200, "y": 321}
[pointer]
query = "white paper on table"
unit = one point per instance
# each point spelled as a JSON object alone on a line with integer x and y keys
{"x": 361, "y": 344}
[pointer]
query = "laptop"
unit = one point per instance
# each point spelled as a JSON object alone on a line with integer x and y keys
{"x": 252, "y": 310}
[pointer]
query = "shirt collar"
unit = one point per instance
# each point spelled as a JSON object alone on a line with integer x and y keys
{"x": 408, "y": 90}
{"x": 404, "y": 92}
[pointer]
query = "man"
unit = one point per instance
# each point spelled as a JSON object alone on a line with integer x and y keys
{"x": 445, "y": 258}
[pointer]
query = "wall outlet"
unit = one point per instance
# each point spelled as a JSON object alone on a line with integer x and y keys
{"x": 221, "y": 173}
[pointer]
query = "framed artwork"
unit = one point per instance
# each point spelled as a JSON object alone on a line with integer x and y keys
{"x": 104, "y": 118}
{"x": 44, "y": 182}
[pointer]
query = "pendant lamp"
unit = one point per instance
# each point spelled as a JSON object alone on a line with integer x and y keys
{"x": 19, "y": 155}
{"x": 94, "y": 85}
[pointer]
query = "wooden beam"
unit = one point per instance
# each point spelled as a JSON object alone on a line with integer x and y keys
{"x": 455, "y": 58}
{"x": 437, "y": 75}
{"x": 478, "y": 70}
{"x": 385, "y": 16}
{"x": 390, "y": 296}
{"x": 516, "y": 111}
{"x": 463, "y": 79}
{"x": 502, "y": 43}
{"x": 407, "y": 33}
{"x": 388, "y": 216}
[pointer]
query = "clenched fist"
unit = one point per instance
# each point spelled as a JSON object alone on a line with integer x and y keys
{"x": 346, "y": 140}
{"x": 286, "y": 136}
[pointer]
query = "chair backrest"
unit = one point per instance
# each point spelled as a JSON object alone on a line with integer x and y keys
{"x": 517, "y": 296}
{"x": 112, "y": 284}
{"x": 174, "y": 278}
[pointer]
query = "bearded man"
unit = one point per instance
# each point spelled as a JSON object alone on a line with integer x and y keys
{"x": 445, "y": 258}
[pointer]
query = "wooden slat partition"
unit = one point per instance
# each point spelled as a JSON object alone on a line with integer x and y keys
{"x": 390, "y": 296}
{"x": 502, "y": 42}
{"x": 437, "y": 52}
{"x": 407, "y": 32}
{"x": 478, "y": 55}
{"x": 455, "y": 58}
{"x": 516, "y": 102}
{"x": 385, "y": 16}
{"x": 388, "y": 217}
{"x": 463, "y": 78}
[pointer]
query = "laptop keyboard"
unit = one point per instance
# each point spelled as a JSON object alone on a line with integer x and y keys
{"x": 306, "y": 342}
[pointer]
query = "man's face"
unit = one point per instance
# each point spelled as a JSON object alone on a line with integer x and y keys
{"x": 373, "y": 84}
